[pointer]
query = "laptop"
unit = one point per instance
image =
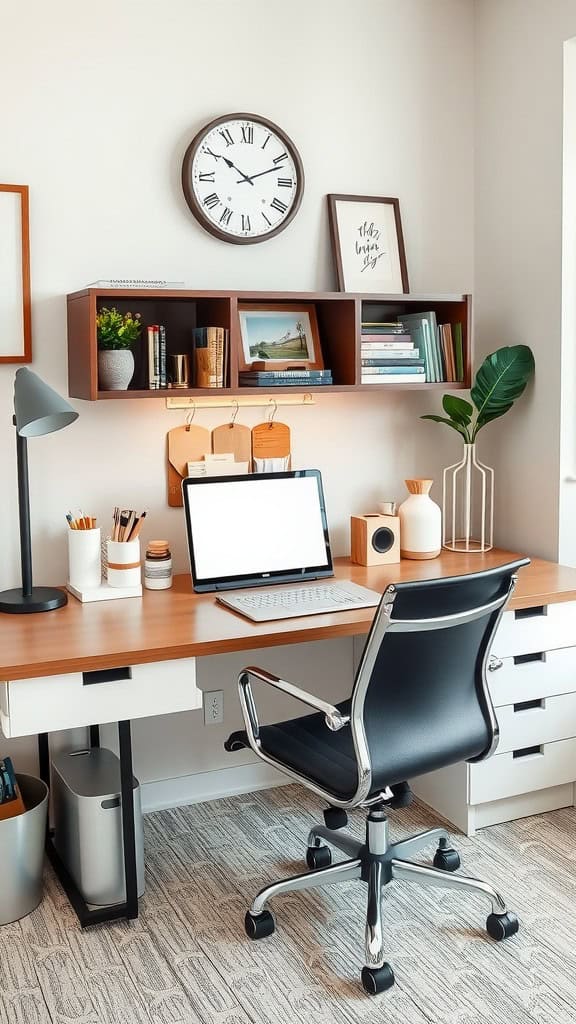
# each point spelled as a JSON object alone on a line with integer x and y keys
{"x": 245, "y": 533}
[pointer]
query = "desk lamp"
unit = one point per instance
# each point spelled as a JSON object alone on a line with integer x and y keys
{"x": 37, "y": 410}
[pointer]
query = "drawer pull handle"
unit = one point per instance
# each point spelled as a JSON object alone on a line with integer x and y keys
{"x": 524, "y": 659}
{"x": 528, "y": 705}
{"x": 106, "y": 675}
{"x": 531, "y": 613}
{"x": 526, "y": 752}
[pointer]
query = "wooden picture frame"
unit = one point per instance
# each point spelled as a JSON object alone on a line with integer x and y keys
{"x": 15, "y": 307}
{"x": 368, "y": 244}
{"x": 279, "y": 336}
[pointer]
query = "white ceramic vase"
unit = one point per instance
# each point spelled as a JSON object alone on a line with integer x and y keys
{"x": 115, "y": 369}
{"x": 420, "y": 522}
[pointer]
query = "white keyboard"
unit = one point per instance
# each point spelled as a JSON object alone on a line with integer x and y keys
{"x": 290, "y": 601}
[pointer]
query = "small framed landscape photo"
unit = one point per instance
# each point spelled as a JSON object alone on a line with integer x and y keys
{"x": 367, "y": 244}
{"x": 278, "y": 336}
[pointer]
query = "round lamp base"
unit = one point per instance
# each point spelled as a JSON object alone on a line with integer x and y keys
{"x": 42, "y": 599}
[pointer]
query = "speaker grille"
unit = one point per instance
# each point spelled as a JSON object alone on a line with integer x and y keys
{"x": 382, "y": 540}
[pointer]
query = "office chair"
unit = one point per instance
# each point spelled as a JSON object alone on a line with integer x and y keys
{"x": 419, "y": 702}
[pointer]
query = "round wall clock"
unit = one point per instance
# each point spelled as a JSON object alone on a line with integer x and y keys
{"x": 243, "y": 178}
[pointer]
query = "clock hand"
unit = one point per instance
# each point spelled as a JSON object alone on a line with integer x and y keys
{"x": 233, "y": 167}
{"x": 249, "y": 177}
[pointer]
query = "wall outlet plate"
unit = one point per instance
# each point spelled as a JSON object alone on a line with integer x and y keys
{"x": 213, "y": 707}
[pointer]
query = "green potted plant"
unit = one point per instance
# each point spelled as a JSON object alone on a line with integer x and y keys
{"x": 468, "y": 485}
{"x": 116, "y": 333}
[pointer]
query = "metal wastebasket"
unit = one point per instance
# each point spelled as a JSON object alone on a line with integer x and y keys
{"x": 22, "y": 840}
{"x": 88, "y": 824}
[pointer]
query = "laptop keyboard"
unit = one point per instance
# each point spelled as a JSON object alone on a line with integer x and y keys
{"x": 298, "y": 597}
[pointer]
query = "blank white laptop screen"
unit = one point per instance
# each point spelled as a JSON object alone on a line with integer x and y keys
{"x": 257, "y": 529}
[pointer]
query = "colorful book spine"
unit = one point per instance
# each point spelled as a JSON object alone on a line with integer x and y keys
{"x": 407, "y": 364}
{"x": 162, "y": 358}
{"x": 401, "y": 341}
{"x": 287, "y": 374}
{"x": 392, "y": 379}
{"x": 153, "y": 334}
{"x": 294, "y": 382}
{"x": 387, "y": 371}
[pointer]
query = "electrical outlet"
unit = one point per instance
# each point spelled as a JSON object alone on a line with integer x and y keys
{"x": 213, "y": 707}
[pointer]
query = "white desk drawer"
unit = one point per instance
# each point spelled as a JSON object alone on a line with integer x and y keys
{"x": 551, "y": 672}
{"x": 531, "y": 722}
{"x": 523, "y": 632}
{"x": 504, "y": 775}
{"x": 49, "y": 703}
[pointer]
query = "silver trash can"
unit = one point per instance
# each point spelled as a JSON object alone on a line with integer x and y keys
{"x": 88, "y": 824}
{"x": 22, "y": 840}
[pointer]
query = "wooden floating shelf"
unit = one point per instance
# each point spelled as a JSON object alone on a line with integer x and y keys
{"x": 339, "y": 315}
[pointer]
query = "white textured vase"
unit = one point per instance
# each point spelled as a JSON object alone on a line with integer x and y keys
{"x": 115, "y": 369}
{"x": 468, "y": 504}
{"x": 420, "y": 522}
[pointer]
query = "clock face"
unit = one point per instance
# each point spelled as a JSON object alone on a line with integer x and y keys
{"x": 242, "y": 178}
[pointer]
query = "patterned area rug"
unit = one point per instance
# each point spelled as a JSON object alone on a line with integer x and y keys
{"x": 187, "y": 958}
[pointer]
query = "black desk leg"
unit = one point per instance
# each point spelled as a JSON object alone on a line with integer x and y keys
{"x": 128, "y": 909}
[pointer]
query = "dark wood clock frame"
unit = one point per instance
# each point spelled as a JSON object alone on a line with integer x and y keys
{"x": 195, "y": 206}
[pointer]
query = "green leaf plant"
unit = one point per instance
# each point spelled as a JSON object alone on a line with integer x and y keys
{"x": 117, "y": 330}
{"x": 500, "y": 380}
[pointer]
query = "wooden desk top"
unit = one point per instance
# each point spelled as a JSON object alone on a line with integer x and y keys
{"x": 177, "y": 623}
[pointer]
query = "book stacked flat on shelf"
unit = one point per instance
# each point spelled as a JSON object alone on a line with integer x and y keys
{"x": 389, "y": 355}
{"x": 211, "y": 348}
{"x": 284, "y": 378}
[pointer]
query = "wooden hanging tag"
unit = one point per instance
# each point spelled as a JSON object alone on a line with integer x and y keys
{"x": 235, "y": 438}
{"x": 271, "y": 440}
{"x": 189, "y": 443}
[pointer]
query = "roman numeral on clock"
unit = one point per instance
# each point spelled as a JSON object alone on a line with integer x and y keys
{"x": 248, "y": 133}
{"x": 211, "y": 200}
{"x": 206, "y": 176}
{"x": 225, "y": 218}
{"x": 285, "y": 182}
{"x": 266, "y": 141}
{"x": 245, "y": 222}
{"x": 277, "y": 204}
{"x": 279, "y": 159}
{"x": 226, "y": 136}
{"x": 269, "y": 222}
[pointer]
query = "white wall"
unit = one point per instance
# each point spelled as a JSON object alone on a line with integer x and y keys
{"x": 99, "y": 106}
{"x": 518, "y": 250}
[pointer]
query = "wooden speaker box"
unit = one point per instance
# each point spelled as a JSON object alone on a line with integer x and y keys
{"x": 375, "y": 539}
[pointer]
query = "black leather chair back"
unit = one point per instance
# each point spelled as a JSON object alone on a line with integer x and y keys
{"x": 420, "y": 698}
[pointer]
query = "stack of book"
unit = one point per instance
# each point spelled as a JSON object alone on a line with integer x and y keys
{"x": 284, "y": 378}
{"x": 157, "y": 374}
{"x": 211, "y": 347}
{"x": 389, "y": 355}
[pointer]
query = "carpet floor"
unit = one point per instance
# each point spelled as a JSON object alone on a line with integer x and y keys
{"x": 187, "y": 959}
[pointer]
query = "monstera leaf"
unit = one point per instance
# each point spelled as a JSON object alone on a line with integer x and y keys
{"x": 500, "y": 381}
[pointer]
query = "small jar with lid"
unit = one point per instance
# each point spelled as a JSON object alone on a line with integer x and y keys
{"x": 158, "y": 565}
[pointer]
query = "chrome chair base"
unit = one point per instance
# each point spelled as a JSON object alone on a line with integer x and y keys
{"x": 378, "y": 862}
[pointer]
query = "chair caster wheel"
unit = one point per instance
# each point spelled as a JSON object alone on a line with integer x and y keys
{"x": 318, "y": 857}
{"x": 377, "y": 979}
{"x": 446, "y": 859}
{"x": 258, "y": 926}
{"x": 502, "y": 926}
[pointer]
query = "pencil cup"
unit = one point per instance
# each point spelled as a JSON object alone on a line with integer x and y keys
{"x": 123, "y": 563}
{"x": 84, "y": 558}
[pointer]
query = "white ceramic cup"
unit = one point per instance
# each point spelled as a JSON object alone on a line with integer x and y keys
{"x": 84, "y": 558}
{"x": 123, "y": 563}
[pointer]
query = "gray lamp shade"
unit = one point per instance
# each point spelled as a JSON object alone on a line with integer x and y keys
{"x": 38, "y": 409}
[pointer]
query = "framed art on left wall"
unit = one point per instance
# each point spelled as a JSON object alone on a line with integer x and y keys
{"x": 15, "y": 317}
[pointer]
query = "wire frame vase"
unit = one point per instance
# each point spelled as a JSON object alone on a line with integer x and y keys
{"x": 468, "y": 504}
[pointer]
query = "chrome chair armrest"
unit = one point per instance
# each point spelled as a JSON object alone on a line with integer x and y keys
{"x": 333, "y": 717}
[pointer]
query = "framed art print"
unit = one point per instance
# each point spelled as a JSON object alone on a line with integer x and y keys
{"x": 279, "y": 336}
{"x": 15, "y": 326}
{"x": 367, "y": 244}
